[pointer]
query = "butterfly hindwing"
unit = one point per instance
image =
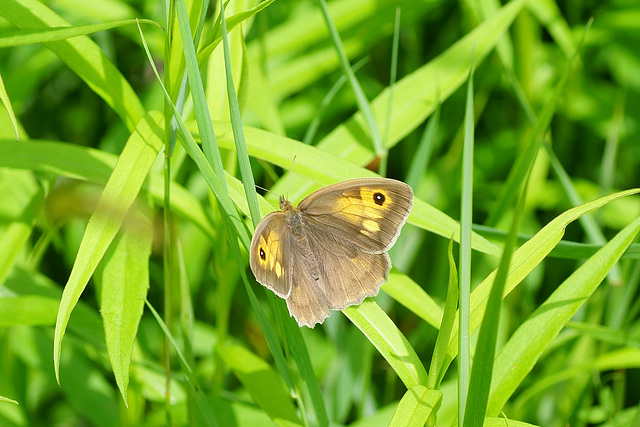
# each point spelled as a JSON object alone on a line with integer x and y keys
{"x": 345, "y": 276}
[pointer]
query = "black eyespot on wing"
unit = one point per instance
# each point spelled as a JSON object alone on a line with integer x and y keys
{"x": 379, "y": 199}
{"x": 263, "y": 254}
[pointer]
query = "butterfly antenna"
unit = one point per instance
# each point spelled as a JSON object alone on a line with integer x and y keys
{"x": 293, "y": 163}
{"x": 268, "y": 191}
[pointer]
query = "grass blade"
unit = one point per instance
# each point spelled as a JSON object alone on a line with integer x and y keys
{"x": 519, "y": 354}
{"x": 82, "y": 56}
{"x": 527, "y": 257}
{"x": 387, "y": 338}
{"x": 121, "y": 190}
{"x": 416, "y": 407}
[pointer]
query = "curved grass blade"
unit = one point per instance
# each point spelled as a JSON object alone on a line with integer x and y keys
{"x": 390, "y": 342}
{"x": 324, "y": 168}
{"x": 10, "y": 401}
{"x": 437, "y": 368}
{"x": 520, "y": 353}
{"x": 527, "y": 257}
{"x": 416, "y": 407}
{"x": 82, "y": 56}
{"x": 4, "y": 97}
{"x": 263, "y": 384}
{"x": 121, "y": 190}
{"x": 125, "y": 281}
{"x": 47, "y": 35}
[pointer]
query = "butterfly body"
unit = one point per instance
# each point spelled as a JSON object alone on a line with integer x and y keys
{"x": 329, "y": 252}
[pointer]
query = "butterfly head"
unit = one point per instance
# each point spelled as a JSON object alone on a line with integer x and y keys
{"x": 285, "y": 205}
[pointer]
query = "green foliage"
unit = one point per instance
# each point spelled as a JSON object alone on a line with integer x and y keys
{"x": 130, "y": 192}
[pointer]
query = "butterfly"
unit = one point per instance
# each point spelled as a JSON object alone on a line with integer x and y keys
{"x": 330, "y": 252}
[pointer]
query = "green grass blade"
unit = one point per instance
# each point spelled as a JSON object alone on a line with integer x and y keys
{"x": 263, "y": 384}
{"x": 125, "y": 281}
{"x": 566, "y": 249}
{"x": 200, "y": 105}
{"x": 527, "y": 257}
{"x": 10, "y": 401}
{"x": 4, "y": 97}
{"x": 481, "y": 374}
{"x": 121, "y": 190}
{"x": 213, "y": 180}
{"x": 22, "y": 37}
{"x": 519, "y": 354}
{"x": 390, "y": 342}
{"x": 482, "y": 370}
{"x": 361, "y": 98}
{"x": 437, "y": 368}
{"x": 82, "y": 56}
{"x": 466, "y": 222}
{"x": 238, "y": 133}
{"x": 416, "y": 407}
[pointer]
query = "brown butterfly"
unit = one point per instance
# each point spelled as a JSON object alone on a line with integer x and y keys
{"x": 330, "y": 252}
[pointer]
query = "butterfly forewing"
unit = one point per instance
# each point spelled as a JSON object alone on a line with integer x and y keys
{"x": 270, "y": 254}
{"x": 368, "y": 212}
